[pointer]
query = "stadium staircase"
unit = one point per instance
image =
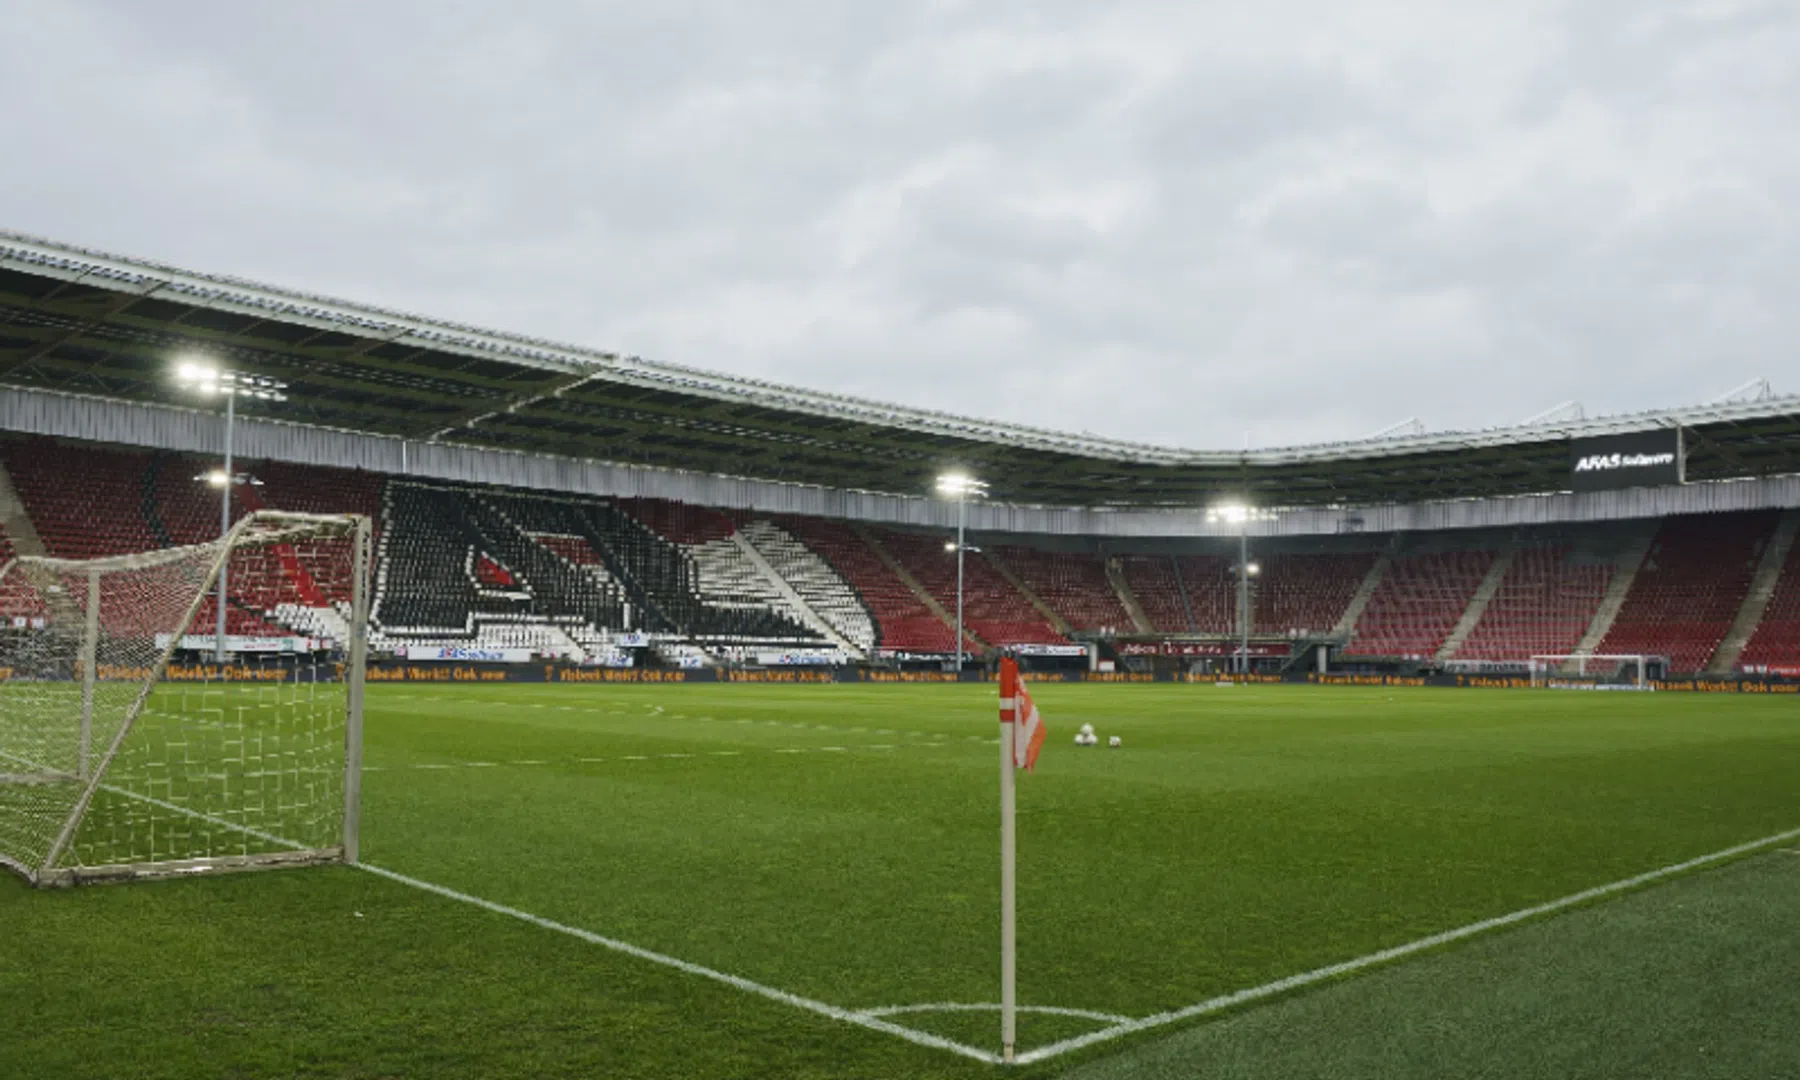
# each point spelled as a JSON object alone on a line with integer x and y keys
{"x": 1478, "y": 605}
{"x": 1691, "y": 587}
{"x": 1421, "y": 597}
{"x": 796, "y": 601}
{"x": 17, "y": 534}
{"x": 1625, "y": 571}
{"x": 1359, "y": 600}
{"x": 1115, "y": 575}
{"x": 1543, "y": 605}
{"x": 809, "y": 573}
{"x": 1031, "y": 597}
{"x": 1303, "y": 595}
{"x": 918, "y": 590}
{"x": 1756, "y": 601}
{"x": 1776, "y": 642}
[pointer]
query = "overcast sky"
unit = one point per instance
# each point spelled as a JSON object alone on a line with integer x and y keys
{"x": 1187, "y": 223}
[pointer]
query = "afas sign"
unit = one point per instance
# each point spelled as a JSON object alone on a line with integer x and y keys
{"x": 1640, "y": 459}
{"x": 1609, "y": 462}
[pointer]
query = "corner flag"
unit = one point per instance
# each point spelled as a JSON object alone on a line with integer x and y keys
{"x": 1017, "y": 709}
{"x": 1021, "y": 734}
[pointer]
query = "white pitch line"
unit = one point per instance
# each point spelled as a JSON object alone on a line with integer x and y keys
{"x": 1332, "y": 971}
{"x": 994, "y": 1006}
{"x": 872, "y": 1023}
{"x": 737, "y": 982}
{"x": 862, "y": 1019}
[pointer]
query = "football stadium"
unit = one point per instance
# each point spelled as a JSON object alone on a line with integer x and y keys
{"x": 597, "y": 716}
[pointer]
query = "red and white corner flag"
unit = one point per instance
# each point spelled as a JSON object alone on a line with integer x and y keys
{"x": 1021, "y": 736}
{"x": 1018, "y": 710}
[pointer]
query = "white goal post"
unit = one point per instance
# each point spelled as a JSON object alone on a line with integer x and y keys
{"x": 128, "y": 750}
{"x": 1588, "y": 670}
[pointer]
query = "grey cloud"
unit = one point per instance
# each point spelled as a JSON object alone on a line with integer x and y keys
{"x": 1162, "y": 221}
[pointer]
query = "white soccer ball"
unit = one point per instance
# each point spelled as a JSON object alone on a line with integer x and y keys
{"x": 1087, "y": 729}
{"x": 1115, "y": 742}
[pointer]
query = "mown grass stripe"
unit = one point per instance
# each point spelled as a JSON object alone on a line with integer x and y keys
{"x": 1374, "y": 959}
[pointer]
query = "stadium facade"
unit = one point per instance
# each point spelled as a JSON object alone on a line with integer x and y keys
{"x": 534, "y": 499}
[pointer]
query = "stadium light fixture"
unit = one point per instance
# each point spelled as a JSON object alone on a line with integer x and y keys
{"x": 208, "y": 379}
{"x": 959, "y": 486}
{"x": 1242, "y": 514}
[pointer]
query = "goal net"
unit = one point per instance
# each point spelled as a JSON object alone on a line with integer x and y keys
{"x": 1591, "y": 671}
{"x": 129, "y": 749}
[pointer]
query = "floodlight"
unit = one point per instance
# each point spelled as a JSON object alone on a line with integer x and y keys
{"x": 1253, "y": 569}
{"x": 1236, "y": 513}
{"x": 216, "y": 478}
{"x": 949, "y": 545}
{"x": 960, "y": 484}
{"x": 191, "y": 371}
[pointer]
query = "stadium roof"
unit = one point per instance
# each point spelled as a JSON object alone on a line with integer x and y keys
{"x": 85, "y": 322}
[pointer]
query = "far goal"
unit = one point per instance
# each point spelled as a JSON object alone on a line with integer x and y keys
{"x": 129, "y": 748}
{"x": 1592, "y": 671}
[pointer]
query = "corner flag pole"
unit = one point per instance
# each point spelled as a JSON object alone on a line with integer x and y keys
{"x": 1009, "y": 989}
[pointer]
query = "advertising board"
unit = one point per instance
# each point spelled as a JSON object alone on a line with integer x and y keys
{"x": 1638, "y": 459}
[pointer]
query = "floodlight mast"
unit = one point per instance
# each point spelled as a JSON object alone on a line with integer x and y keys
{"x": 961, "y": 485}
{"x": 208, "y": 379}
{"x": 1241, "y": 514}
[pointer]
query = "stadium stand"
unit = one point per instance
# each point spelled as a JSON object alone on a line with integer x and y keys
{"x": 821, "y": 587}
{"x": 86, "y": 502}
{"x": 1156, "y": 583}
{"x": 559, "y": 575}
{"x": 992, "y": 609}
{"x": 1211, "y": 584}
{"x": 903, "y": 622}
{"x": 1304, "y": 593}
{"x": 1776, "y": 642}
{"x": 1690, "y": 587}
{"x": 1183, "y": 594}
{"x": 553, "y": 575}
{"x": 1073, "y": 585}
{"x": 1543, "y": 606}
{"x": 725, "y": 577}
{"x": 1418, "y": 603}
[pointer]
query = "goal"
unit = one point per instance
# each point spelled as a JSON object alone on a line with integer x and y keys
{"x": 136, "y": 741}
{"x": 1592, "y": 671}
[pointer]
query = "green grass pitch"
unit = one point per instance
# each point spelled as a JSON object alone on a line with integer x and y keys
{"x": 840, "y": 843}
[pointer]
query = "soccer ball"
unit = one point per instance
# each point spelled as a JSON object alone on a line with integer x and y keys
{"x": 1087, "y": 729}
{"x": 1086, "y": 738}
{"x": 1115, "y": 742}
